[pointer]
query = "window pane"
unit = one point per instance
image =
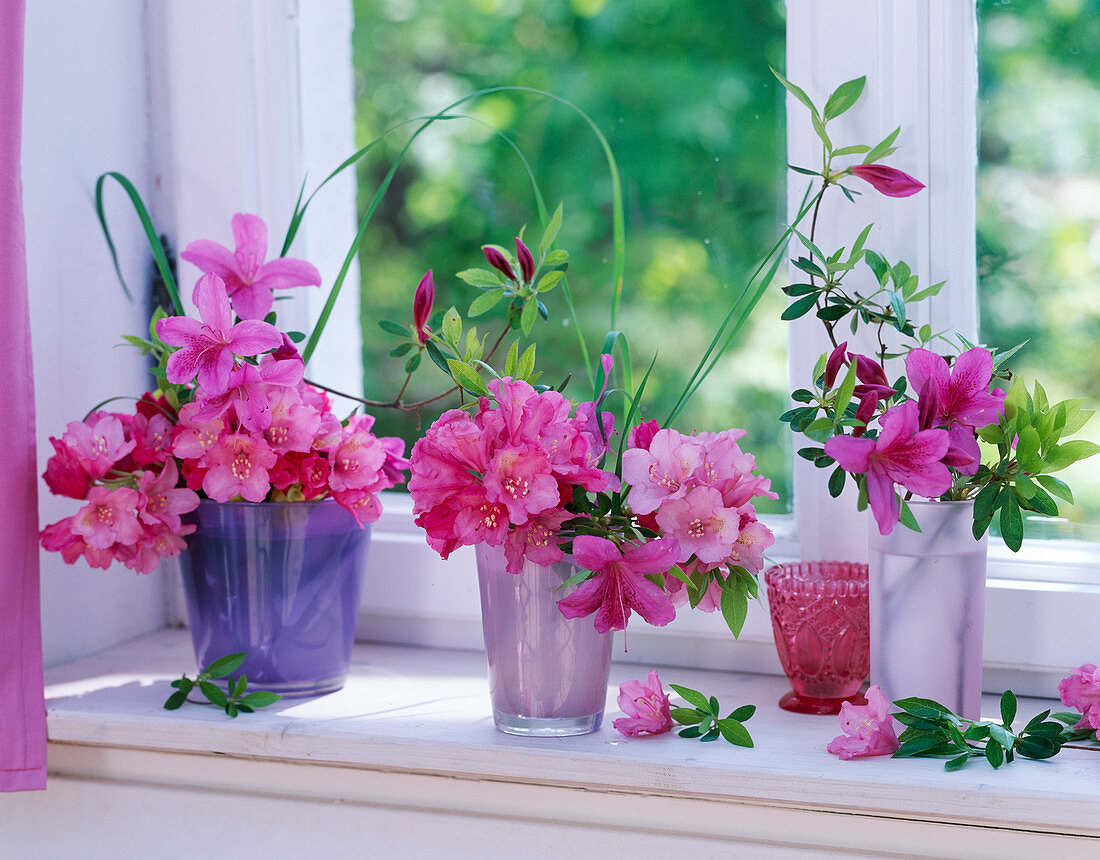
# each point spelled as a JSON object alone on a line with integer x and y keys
{"x": 684, "y": 94}
{"x": 1039, "y": 208}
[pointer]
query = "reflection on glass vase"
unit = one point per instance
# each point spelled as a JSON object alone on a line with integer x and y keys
{"x": 281, "y": 581}
{"x": 548, "y": 674}
{"x": 928, "y": 608}
{"x": 819, "y": 617}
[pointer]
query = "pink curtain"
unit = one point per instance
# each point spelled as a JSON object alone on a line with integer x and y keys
{"x": 22, "y": 706}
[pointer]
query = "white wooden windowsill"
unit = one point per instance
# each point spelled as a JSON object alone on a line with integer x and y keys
{"x": 411, "y": 733}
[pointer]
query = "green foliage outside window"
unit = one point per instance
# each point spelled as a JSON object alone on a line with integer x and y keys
{"x": 694, "y": 116}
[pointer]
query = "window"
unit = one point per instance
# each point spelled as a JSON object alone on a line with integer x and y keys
{"x": 920, "y": 63}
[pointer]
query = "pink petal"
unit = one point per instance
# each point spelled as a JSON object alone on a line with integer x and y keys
{"x": 653, "y": 556}
{"x": 595, "y": 553}
{"x": 285, "y": 272}
{"x": 212, "y": 258}
{"x": 252, "y": 303}
{"x": 883, "y": 500}
{"x": 851, "y": 452}
{"x": 178, "y": 331}
{"x": 212, "y": 300}
{"x": 922, "y": 365}
{"x": 250, "y": 234}
{"x": 252, "y": 337}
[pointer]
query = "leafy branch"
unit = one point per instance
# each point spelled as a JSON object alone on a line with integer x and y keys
{"x": 704, "y": 721}
{"x": 234, "y": 699}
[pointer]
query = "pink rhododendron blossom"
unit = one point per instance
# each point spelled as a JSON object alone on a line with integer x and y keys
{"x": 535, "y": 541}
{"x": 868, "y": 729}
{"x": 248, "y": 393}
{"x": 662, "y": 472}
{"x": 642, "y": 435}
{"x": 1081, "y": 690}
{"x": 238, "y": 465}
{"x": 423, "y": 299}
{"x": 248, "y": 279}
{"x": 64, "y": 475}
{"x": 357, "y": 460}
{"x": 701, "y": 525}
{"x": 887, "y": 180}
{"x": 97, "y": 443}
{"x": 646, "y": 706}
{"x": 619, "y": 585}
{"x": 110, "y": 517}
{"x": 901, "y": 454}
{"x": 207, "y": 348}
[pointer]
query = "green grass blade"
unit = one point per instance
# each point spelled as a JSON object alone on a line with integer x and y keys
{"x": 150, "y": 235}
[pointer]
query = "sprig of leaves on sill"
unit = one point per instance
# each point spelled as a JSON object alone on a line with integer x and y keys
{"x": 933, "y": 730}
{"x": 705, "y": 722}
{"x": 234, "y": 699}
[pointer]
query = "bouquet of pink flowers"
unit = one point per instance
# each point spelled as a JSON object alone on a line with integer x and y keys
{"x": 671, "y": 522}
{"x": 232, "y": 418}
{"x": 918, "y": 434}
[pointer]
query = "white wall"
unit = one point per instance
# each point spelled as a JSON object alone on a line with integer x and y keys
{"x": 86, "y": 111}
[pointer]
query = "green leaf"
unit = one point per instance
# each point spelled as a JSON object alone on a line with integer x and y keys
{"x": 390, "y": 327}
{"x": 734, "y": 732}
{"x": 743, "y": 713}
{"x": 844, "y": 392}
{"x": 797, "y": 92}
{"x": 693, "y": 696}
{"x": 1027, "y": 446}
{"x": 836, "y": 481}
{"x": 528, "y": 316}
{"x": 1057, "y": 487}
{"x": 1041, "y": 503}
{"x": 401, "y": 349}
{"x": 239, "y": 687}
{"x": 1012, "y": 524}
{"x": 882, "y": 148}
{"x": 1002, "y": 736}
{"x": 551, "y": 232}
{"x": 526, "y": 363}
{"x": 512, "y": 362}
{"x": 175, "y": 700}
{"x": 995, "y": 754}
{"x": 556, "y": 258}
{"x": 214, "y": 693}
{"x": 686, "y": 716}
{"x": 929, "y": 709}
{"x": 819, "y": 129}
{"x": 957, "y": 762}
{"x": 260, "y": 699}
{"x": 983, "y": 502}
{"x": 548, "y": 281}
{"x": 855, "y": 149}
{"x": 231, "y": 709}
{"x": 710, "y": 736}
{"x": 437, "y": 357}
{"x": 480, "y": 277}
{"x": 1068, "y": 453}
{"x": 843, "y": 97}
{"x": 735, "y": 609}
{"x": 468, "y": 378}
{"x": 877, "y": 265}
{"x": 898, "y": 306}
{"x": 485, "y": 302}
{"x": 922, "y": 744}
{"x": 413, "y": 363}
{"x": 1038, "y": 747}
{"x": 690, "y": 732}
{"x": 452, "y": 325}
{"x": 226, "y": 665}
{"x": 906, "y": 517}
{"x": 1008, "y": 708}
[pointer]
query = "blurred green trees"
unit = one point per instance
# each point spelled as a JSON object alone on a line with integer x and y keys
{"x": 1039, "y": 202}
{"x": 682, "y": 91}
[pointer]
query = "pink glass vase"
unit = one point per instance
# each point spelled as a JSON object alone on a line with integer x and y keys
{"x": 820, "y": 618}
{"x": 548, "y": 674}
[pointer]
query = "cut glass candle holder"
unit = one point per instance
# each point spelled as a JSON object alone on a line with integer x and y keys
{"x": 820, "y": 616}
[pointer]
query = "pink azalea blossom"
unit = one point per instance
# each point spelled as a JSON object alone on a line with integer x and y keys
{"x": 423, "y": 299}
{"x": 868, "y": 729}
{"x": 248, "y": 279}
{"x": 887, "y": 180}
{"x": 109, "y": 517}
{"x": 901, "y": 454}
{"x": 962, "y": 392}
{"x": 207, "y": 348}
{"x": 248, "y": 393}
{"x": 1081, "y": 690}
{"x": 619, "y": 585}
{"x": 646, "y": 706}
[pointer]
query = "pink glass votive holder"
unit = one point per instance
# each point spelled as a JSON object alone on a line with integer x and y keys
{"x": 821, "y": 622}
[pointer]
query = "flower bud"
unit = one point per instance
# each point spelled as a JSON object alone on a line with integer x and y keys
{"x": 526, "y": 261}
{"x": 887, "y": 180}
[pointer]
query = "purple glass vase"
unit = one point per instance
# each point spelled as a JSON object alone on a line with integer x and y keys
{"x": 928, "y": 607}
{"x": 280, "y": 581}
{"x": 820, "y": 618}
{"x": 547, "y": 673}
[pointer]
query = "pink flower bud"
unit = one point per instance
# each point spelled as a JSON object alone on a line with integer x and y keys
{"x": 526, "y": 261}
{"x": 887, "y": 180}
{"x": 498, "y": 261}
{"x": 423, "y": 300}
{"x": 837, "y": 359}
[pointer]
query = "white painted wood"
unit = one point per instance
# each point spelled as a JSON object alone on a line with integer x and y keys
{"x": 419, "y": 711}
{"x": 85, "y": 111}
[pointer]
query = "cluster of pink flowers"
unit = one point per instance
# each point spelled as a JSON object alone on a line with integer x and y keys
{"x": 504, "y": 475}
{"x": 697, "y": 490}
{"x": 122, "y": 466}
{"x": 919, "y": 442}
{"x": 249, "y": 426}
{"x": 1081, "y": 690}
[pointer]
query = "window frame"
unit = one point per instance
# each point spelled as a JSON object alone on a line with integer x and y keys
{"x": 921, "y": 64}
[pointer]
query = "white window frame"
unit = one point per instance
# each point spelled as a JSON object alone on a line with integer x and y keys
{"x": 282, "y": 79}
